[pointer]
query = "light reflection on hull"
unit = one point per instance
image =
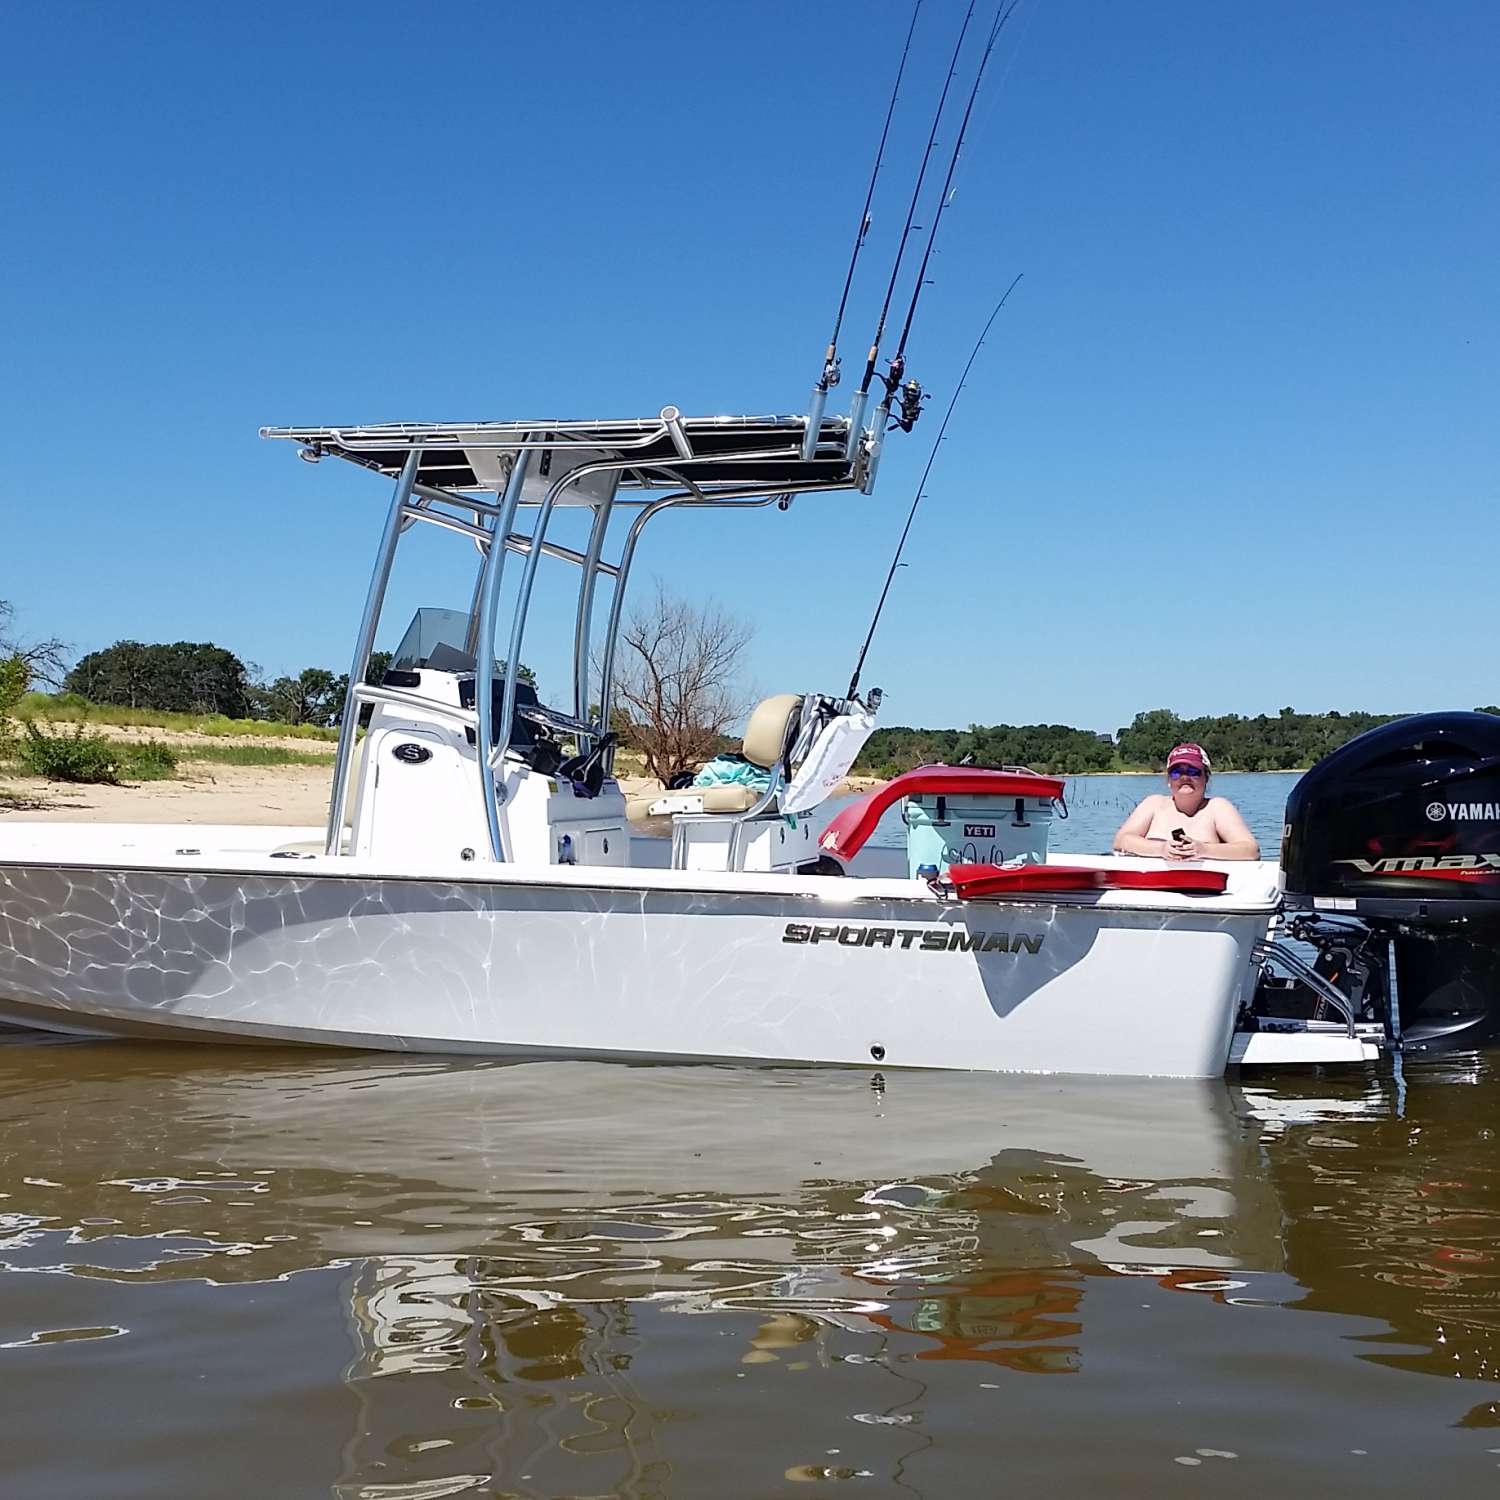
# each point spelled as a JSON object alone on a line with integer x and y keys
{"x": 587, "y": 964}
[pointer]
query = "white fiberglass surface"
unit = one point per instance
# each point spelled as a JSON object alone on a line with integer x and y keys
{"x": 445, "y": 965}
{"x": 1252, "y": 885}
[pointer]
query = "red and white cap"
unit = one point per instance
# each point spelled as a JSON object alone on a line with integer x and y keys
{"x": 1190, "y": 755}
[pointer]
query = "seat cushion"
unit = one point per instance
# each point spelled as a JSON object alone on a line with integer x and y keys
{"x": 769, "y": 728}
{"x": 642, "y": 820}
{"x": 728, "y": 799}
{"x": 709, "y": 799}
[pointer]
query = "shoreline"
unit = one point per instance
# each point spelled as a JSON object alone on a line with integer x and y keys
{"x": 201, "y": 792}
{"x": 209, "y": 792}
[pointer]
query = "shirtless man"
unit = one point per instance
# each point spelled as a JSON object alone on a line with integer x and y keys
{"x": 1187, "y": 823}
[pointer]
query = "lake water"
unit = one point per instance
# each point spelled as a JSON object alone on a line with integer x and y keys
{"x": 253, "y": 1273}
{"x": 1097, "y": 805}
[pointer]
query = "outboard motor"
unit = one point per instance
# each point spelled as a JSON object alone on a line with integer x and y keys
{"x": 1392, "y": 850}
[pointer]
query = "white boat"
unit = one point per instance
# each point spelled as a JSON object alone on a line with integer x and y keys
{"x": 501, "y": 903}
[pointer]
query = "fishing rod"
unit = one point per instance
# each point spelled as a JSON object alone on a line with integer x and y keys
{"x": 857, "y": 406}
{"x": 831, "y": 361}
{"x": 911, "y": 516}
{"x": 899, "y": 360}
{"x": 911, "y": 394}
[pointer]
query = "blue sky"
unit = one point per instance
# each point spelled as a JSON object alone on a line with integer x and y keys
{"x": 1232, "y": 445}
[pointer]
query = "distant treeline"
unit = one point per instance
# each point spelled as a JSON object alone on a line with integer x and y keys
{"x": 204, "y": 679}
{"x": 1279, "y": 742}
{"x": 1043, "y": 747}
{"x": 196, "y": 677}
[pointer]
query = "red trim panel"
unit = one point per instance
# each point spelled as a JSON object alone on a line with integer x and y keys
{"x": 847, "y": 834}
{"x": 971, "y": 882}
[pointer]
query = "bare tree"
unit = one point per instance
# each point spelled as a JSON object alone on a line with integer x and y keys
{"x": 45, "y": 662}
{"x": 677, "y": 682}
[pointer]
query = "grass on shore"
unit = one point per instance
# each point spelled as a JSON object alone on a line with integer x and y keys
{"x": 252, "y": 755}
{"x": 89, "y": 759}
{"x": 82, "y": 758}
{"x": 70, "y": 708}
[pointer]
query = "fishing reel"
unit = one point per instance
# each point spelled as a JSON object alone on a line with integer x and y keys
{"x": 912, "y": 394}
{"x": 912, "y": 397}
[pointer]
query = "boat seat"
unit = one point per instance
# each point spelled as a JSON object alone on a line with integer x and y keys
{"x": 713, "y": 799}
{"x": 638, "y": 808}
{"x": 769, "y": 734}
{"x": 771, "y": 729}
{"x": 722, "y": 798}
{"x": 728, "y": 799}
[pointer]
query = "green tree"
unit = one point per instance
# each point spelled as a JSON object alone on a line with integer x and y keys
{"x": 1234, "y": 743}
{"x": 14, "y": 680}
{"x": 42, "y": 661}
{"x": 313, "y": 696}
{"x": 1150, "y": 736}
{"x": 185, "y": 677}
{"x": 1055, "y": 748}
{"x": 23, "y": 663}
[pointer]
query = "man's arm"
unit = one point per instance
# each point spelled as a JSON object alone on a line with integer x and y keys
{"x": 1130, "y": 837}
{"x": 1237, "y": 840}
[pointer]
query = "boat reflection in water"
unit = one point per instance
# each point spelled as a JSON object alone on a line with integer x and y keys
{"x": 579, "y": 1273}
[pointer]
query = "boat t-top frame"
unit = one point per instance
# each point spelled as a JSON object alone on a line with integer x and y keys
{"x": 476, "y": 478}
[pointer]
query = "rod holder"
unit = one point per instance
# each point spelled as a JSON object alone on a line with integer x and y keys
{"x": 815, "y": 409}
{"x": 856, "y": 422}
{"x": 877, "y": 429}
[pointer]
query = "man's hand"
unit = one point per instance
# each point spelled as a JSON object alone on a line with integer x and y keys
{"x": 1182, "y": 849}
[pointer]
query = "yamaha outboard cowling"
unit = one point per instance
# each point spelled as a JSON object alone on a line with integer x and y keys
{"x": 1400, "y": 829}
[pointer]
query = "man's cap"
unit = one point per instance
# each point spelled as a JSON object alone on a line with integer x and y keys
{"x": 1190, "y": 755}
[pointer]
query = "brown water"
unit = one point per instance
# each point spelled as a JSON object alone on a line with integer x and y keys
{"x": 250, "y": 1273}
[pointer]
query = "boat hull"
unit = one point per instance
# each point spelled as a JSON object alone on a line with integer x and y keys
{"x": 625, "y": 965}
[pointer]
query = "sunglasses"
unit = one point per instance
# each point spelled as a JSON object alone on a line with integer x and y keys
{"x": 1175, "y": 772}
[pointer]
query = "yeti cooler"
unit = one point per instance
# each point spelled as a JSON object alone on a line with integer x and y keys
{"x": 969, "y": 829}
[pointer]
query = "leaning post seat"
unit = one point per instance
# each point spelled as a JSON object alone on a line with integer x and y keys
{"x": 740, "y": 827}
{"x": 772, "y": 727}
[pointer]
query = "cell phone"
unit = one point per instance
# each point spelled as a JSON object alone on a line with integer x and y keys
{"x": 1178, "y": 836}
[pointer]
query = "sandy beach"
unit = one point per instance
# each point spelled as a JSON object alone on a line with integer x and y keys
{"x": 208, "y": 793}
{"x": 247, "y": 795}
